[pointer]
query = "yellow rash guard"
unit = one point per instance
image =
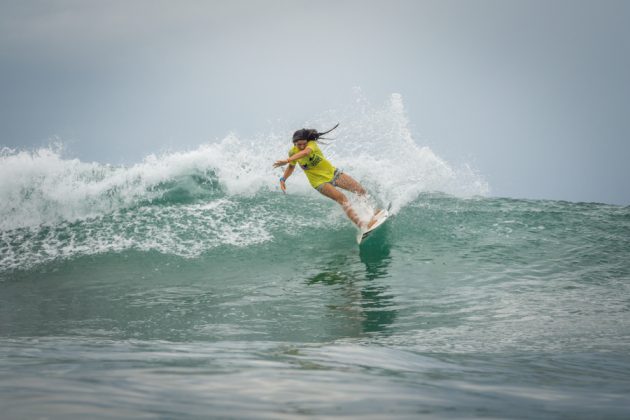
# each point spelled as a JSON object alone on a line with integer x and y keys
{"x": 317, "y": 169}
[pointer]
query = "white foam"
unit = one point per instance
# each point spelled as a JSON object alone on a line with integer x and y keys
{"x": 186, "y": 231}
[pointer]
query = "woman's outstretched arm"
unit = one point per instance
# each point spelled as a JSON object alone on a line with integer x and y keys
{"x": 293, "y": 158}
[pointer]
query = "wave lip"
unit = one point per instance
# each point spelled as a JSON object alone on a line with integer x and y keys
{"x": 43, "y": 188}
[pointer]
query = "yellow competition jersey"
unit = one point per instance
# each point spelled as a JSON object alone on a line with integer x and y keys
{"x": 317, "y": 169}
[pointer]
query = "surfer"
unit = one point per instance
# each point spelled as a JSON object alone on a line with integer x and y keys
{"x": 321, "y": 174}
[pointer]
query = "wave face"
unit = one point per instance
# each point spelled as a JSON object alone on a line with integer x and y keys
{"x": 221, "y": 194}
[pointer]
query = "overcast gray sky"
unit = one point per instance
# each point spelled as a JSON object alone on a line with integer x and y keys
{"x": 535, "y": 94}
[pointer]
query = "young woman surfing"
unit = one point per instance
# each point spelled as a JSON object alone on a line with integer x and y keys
{"x": 322, "y": 175}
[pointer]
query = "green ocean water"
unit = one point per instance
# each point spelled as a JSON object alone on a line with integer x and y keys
{"x": 189, "y": 286}
{"x": 481, "y": 307}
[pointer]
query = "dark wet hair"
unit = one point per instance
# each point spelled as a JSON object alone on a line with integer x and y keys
{"x": 305, "y": 134}
{"x": 310, "y": 134}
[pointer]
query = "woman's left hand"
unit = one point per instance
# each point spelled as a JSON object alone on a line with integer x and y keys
{"x": 280, "y": 163}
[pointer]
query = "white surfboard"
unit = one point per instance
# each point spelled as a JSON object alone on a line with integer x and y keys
{"x": 381, "y": 216}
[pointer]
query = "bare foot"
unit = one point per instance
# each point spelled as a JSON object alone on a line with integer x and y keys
{"x": 374, "y": 217}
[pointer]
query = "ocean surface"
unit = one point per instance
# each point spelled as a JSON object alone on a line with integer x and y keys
{"x": 189, "y": 286}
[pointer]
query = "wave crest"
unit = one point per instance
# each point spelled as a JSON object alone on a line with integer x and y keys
{"x": 373, "y": 144}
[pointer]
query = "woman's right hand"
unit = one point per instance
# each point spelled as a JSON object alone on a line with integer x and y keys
{"x": 280, "y": 163}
